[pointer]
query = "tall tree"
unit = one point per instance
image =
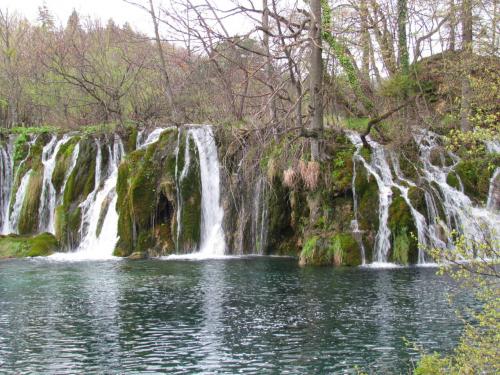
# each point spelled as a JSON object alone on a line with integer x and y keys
{"x": 466, "y": 20}
{"x": 316, "y": 78}
{"x": 404, "y": 58}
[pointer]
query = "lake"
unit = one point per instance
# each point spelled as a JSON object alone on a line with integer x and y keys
{"x": 236, "y": 315}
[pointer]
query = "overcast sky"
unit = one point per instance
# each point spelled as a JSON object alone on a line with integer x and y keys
{"x": 120, "y": 11}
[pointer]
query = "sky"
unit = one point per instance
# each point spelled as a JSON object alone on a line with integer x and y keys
{"x": 120, "y": 11}
{"x": 103, "y": 9}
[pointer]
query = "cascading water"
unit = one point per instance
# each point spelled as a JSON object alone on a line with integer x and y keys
{"x": 380, "y": 169}
{"x": 6, "y": 180}
{"x": 212, "y": 235}
{"x": 475, "y": 223}
{"x": 178, "y": 180}
{"x": 260, "y": 216}
{"x": 144, "y": 141}
{"x": 354, "y": 223}
{"x": 48, "y": 197}
{"x": 11, "y": 225}
{"x": 18, "y": 203}
{"x": 212, "y": 241}
{"x": 99, "y": 228}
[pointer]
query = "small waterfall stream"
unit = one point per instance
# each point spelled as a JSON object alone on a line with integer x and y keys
{"x": 212, "y": 235}
{"x": 6, "y": 181}
{"x": 48, "y": 197}
{"x": 474, "y": 222}
{"x": 99, "y": 229}
{"x": 380, "y": 168}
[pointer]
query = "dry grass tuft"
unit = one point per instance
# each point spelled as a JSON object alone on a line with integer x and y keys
{"x": 310, "y": 174}
{"x": 290, "y": 178}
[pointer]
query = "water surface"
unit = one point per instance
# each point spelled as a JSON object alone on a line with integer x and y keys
{"x": 250, "y": 315}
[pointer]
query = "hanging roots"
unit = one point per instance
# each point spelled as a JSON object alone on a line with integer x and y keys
{"x": 310, "y": 174}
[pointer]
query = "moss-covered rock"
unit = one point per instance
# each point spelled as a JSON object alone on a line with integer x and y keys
{"x": 281, "y": 234}
{"x": 404, "y": 243}
{"x": 31, "y": 160}
{"x": 63, "y": 162}
{"x": 146, "y": 201}
{"x": 28, "y": 218}
{"x": 340, "y": 249}
{"x": 475, "y": 175}
{"x": 190, "y": 198}
{"x": 14, "y": 246}
{"x": 80, "y": 183}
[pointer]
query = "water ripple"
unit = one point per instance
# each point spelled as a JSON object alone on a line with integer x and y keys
{"x": 250, "y": 315}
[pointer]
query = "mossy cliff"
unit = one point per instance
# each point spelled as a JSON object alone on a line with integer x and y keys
{"x": 28, "y": 219}
{"x": 14, "y": 246}
{"x": 147, "y": 200}
{"x": 80, "y": 183}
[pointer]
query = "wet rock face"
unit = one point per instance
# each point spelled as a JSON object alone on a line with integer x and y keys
{"x": 146, "y": 202}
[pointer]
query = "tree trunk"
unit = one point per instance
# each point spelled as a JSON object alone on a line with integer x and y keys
{"x": 404, "y": 59}
{"x": 269, "y": 68}
{"x": 168, "y": 88}
{"x": 316, "y": 79}
{"x": 465, "y": 109}
{"x": 365, "y": 41}
{"x": 452, "y": 25}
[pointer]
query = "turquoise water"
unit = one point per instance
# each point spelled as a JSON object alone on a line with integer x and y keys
{"x": 249, "y": 315}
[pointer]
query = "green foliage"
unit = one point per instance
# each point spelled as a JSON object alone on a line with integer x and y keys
{"x": 477, "y": 351}
{"x": 358, "y": 124}
{"x": 398, "y": 86}
{"x": 344, "y": 59}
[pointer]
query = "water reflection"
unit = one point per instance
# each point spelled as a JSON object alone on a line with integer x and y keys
{"x": 237, "y": 315}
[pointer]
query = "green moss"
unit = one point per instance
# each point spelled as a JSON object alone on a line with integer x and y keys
{"x": 341, "y": 249}
{"x": 14, "y": 246}
{"x": 280, "y": 230}
{"x": 63, "y": 162}
{"x": 190, "y": 190}
{"x": 81, "y": 181}
{"x": 146, "y": 198}
{"x": 401, "y": 247}
{"x": 475, "y": 175}
{"x": 342, "y": 170}
{"x": 28, "y": 219}
{"x": 102, "y": 214}
{"x": 345, "y": 250}
{"x": 453, "y": 181}
{"x": 131, "y": 140}
{"x": 308, "y": 253}
{"x": 403, "y": 232}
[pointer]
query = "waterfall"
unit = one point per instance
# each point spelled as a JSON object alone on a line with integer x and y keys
{"x": 178, "y": 181}
{"x": 6, "y": 181}
{"x": 99, "y": 209}
{"x": 74, "y": 158}
{"x": 212, "y": 236}
{"x": 48, "y": 196}
{"x": 88, "y": 204}
{"x": 18, "y": 203}
{"x": 260, "y": 216}
{"x": 475, "y": 223}
{"x": 154, "y": 136}
{"x": 15, "y": 212}
{"x": 354, "y": 223}
{"x": 380, "y": 169}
